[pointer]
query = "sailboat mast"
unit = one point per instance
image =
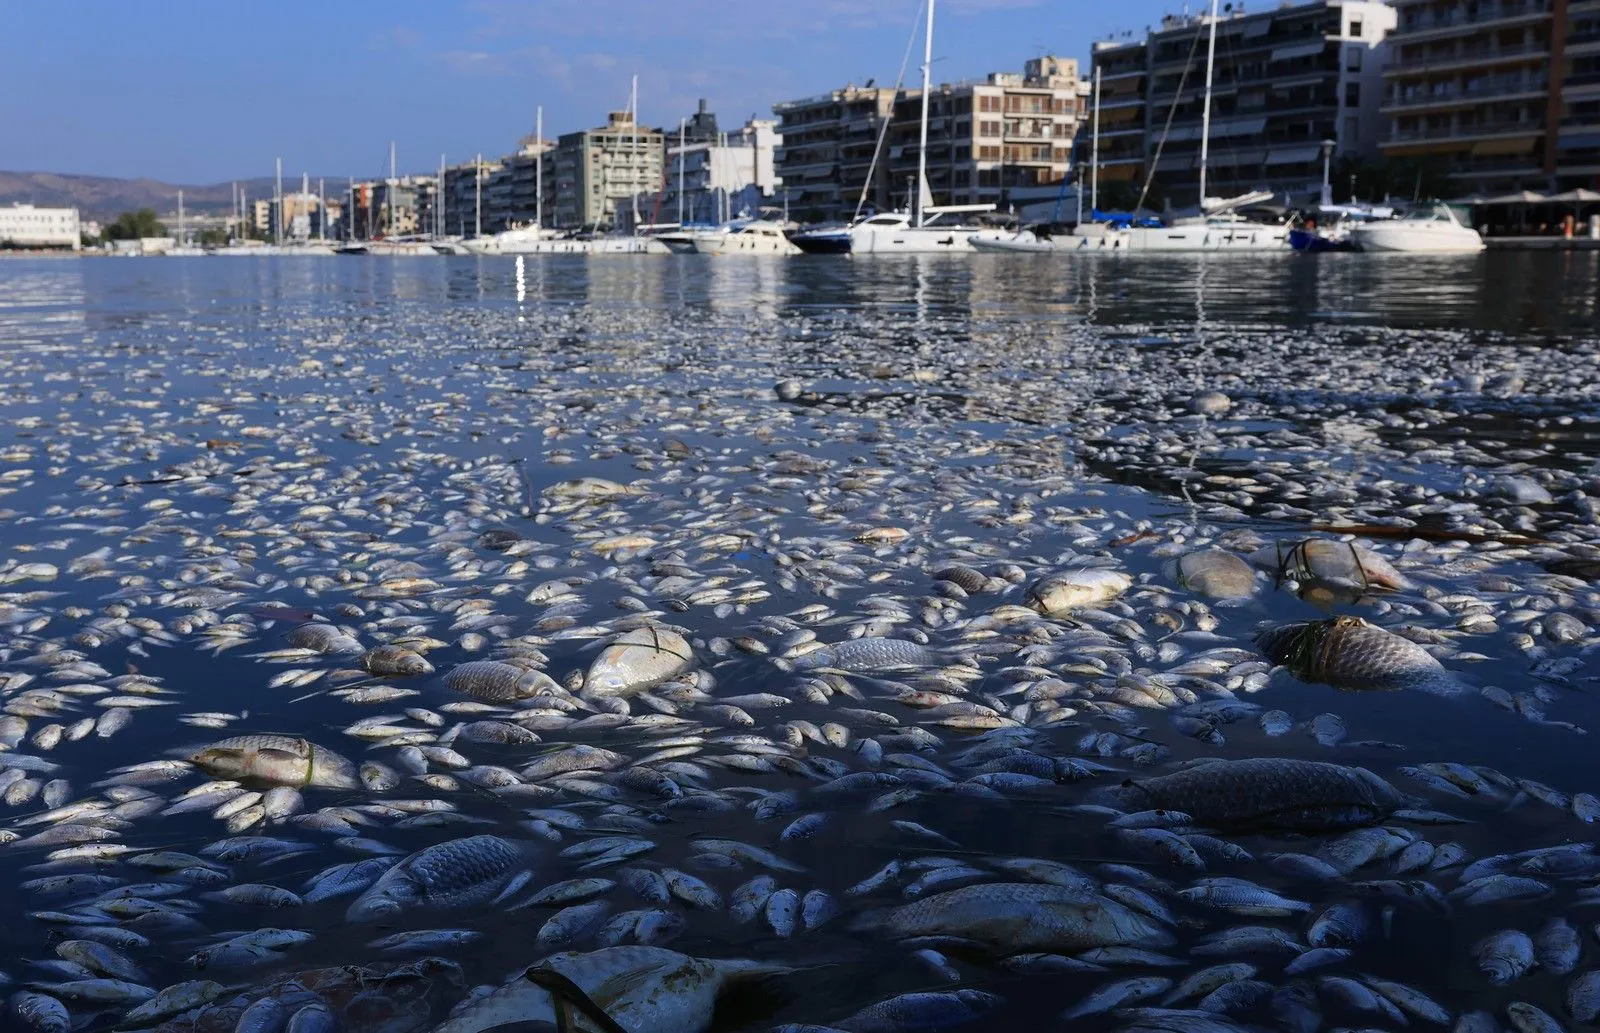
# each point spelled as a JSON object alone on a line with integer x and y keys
{"x": 277, "y": 215}
{"x": 1205, "y": 109}
{"x": 438, "y": 202}
{"x": 922, "y": 139}
{"x": 633, "y": 151}
{"x": 1094, "y": 149}
{"x": 477, "y": 196}
{"x": 180, "y": 218}
{"x": 538, "y": 168}
{"x": 322, "y": 209}
{"x": 682, "y": 123}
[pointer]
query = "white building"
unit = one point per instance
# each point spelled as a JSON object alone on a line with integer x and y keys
{"x": 721, "y": 177}
{"x": 23, "y": 225}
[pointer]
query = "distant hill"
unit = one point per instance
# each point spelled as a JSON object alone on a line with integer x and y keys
{"x": 104, "y": 198}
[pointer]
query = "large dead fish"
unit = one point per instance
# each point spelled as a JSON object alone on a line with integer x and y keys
{"x": 1014, "y": 917}
{"x": 1348, "y": 653}
{"x": 638, "y": 660}
{"x": 285, "y": 759}
{"x": 1263, "y": 792}
{"x": 641, "y": 989}
{"x": 459, "y": 873}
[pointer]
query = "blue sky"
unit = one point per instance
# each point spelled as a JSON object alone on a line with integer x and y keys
{"x": 199, "y": 91}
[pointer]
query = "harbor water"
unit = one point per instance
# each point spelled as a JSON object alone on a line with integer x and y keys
{"x": 1074, "y": 496}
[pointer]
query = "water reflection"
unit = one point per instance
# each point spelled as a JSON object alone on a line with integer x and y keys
{"x": 1507, "y": 292}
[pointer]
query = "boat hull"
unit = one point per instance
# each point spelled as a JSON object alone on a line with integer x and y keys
{"x": 919, "y": 240}
{"x": 1178, "y": 239}
{"x": 827, "y": 242}
{"x": 1410, "y": 240}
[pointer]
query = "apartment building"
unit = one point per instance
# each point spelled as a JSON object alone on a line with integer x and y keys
{"x": 1284, "y": 81}
{"x": 596, "y": 172}
{"x": 1505, "y": 93}
{"x": 1123, "y": 68}
{"x": 24, "y": 226}
{"x": 1007, "y": 133}
{"x": 722, "y": 174}
{"x": 386, "y": 208}
{"x": 827, "y": 151}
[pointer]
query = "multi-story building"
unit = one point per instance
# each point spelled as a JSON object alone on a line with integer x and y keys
{"x": 23, "y": 225}
{"x": 1504, "y": 94}
{"x": 1124, "y": 76}
{"x": 386, "y": 208}
{"x": 988, "y": 139}
{"x": 827, "y": 152}
{"x": 1284, "y": 81}
{"x": 720, "y": 175}
{"x": 468, "y": 199}
{"x": 595, "y": 172}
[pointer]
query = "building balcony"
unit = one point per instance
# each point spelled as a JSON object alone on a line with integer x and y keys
{"x": 1458, "y": 22}
{"x": 1466, "y": 134}
{"x": 1466, "y": 98}
{"x": 1475, "y": 57}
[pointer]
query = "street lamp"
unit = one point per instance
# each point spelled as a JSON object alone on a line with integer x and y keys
{"x": 1327, "y": 162}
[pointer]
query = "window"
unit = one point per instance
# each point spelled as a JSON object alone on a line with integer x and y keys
{"x": 1355, "y": 27}
{"x": 1352, "y": 59}
{"x": 989, "y": 127}
{"x": 1352, "y": 132}
{"x": 1352, "y": 95}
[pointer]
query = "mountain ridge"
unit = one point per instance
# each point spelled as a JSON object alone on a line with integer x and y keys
{"x": 106, "y": 197}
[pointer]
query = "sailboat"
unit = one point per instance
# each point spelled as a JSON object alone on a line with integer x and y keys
{"x": 183, "y": 248}
{"x": 1218, "y": 226}
{"x": 920, "y": 231}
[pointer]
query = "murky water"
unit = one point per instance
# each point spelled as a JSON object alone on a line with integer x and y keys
{"x": 207, "y": 453}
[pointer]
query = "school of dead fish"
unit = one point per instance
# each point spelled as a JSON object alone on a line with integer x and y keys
{"x": 451, "y": 674}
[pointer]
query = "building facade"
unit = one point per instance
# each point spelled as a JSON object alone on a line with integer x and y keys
{"x": 597, "y": 172}
{"x": 1008, "y": 134}
{"x": 24, "y": 226}
{"x": 1503, "y": 94}
{"x": 1124, "y": 76}
{"x": 1284, "y": 81}
{"x": 386, "y": 208}
{"x": 720, "y": 176}
{"x": 825, "y": 159}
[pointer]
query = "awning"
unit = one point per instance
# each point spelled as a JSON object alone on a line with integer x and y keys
{"x": 1294, "y": 155}
{"x": 1582, "y": 195}
{"x": 1258, "y": 27}
{"x": 1518, "y": 145}
{"x": 1238, "y": 127}
{"x": 1520, "y": 197}
{"x": 1299, "y": 50}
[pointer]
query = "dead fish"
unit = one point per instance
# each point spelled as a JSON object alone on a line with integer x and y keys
{"x": 1348, "y": 653}
{"x": 277, "y": 758}
{"x": 638, "y": 987}
{"x": 1339, "y": 563}
{"x": 1016, "y": 917}
{"x": 455, "y": 874}
{"x": 392, "y": 661}
{"x": 1214, "y": 573}
{"x": 1264, "y": 792}
{"x": 637, "y": 660}
{"x": 1059, "y": 594}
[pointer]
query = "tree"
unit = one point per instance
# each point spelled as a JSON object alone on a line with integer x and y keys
{"x": 134, "y": 225}
{"x": 212, "y": 237}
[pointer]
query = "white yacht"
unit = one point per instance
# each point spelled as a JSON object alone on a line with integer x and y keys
{"x": 1220, "y": 229}
{"x": 757, "y": 237}
{"x": 919, "y": 231}
{"x": 1437, "y": 231}
{"x": 1086, "y": 237}
{"x": 533, "y": 240}
{"x": 902, "y": 233}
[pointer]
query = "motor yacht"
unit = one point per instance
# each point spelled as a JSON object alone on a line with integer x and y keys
{"x": 1435, "y": 230}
